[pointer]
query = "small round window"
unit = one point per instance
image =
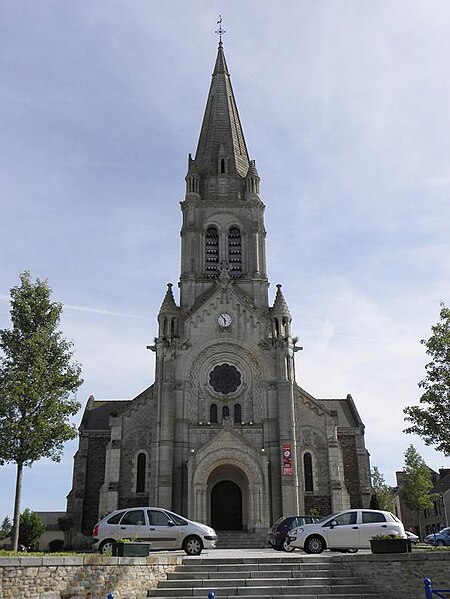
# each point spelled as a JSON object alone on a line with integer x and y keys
{"x": 225, "y": 379}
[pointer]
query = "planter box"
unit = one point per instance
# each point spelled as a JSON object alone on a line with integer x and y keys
{"x": 132, "y": 549}
{"x": 390, "y": 545}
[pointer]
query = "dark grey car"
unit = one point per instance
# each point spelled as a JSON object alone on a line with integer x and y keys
{"x": 277, "y": 535}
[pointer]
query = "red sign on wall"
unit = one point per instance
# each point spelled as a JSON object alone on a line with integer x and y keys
{"x": 287, "y": 459}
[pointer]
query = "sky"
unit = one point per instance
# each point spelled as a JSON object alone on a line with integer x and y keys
{"x": 344, "y": 106}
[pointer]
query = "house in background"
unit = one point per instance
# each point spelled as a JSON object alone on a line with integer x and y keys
{"x": 431, "y": 520}
{"x": 52, "y": 539}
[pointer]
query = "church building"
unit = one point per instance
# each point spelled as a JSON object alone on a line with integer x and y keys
{"x": 225, "y": 435}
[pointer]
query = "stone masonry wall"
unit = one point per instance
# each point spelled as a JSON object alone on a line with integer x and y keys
{"x": 95, "y": 476}
{"x": 93, "y": 577}
{"x": 351, "y": 472}
{"x": 398, "y": 575}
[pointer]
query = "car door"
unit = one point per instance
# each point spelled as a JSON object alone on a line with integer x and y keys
{"x": 133, "y": 525}
{"x": 372, "y": 523}
{"x": 342, "y": 531}
{"x": 163, "y": 532}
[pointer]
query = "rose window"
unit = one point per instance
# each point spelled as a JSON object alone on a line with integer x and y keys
{"x": 225, "y": 379}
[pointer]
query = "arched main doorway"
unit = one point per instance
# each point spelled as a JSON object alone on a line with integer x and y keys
{"x": 226, "y": 506}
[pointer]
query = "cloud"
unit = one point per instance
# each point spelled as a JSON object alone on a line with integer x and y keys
{"x": 101, "y": 311}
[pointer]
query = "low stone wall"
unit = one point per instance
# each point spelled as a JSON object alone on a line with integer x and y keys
{"x": 61, "y": 577}
{"x": 401, "y": 575}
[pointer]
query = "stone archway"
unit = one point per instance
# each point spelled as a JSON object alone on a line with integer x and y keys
{"x": 228, "y": 458}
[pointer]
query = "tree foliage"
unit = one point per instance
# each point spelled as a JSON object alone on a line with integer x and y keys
{"x": 383, "y": 494}
{"x": 37, "y": 382}
{"x": 5, "y": 527}
{"x": 30, "y": 528}
{"x": 416, "y": 482}
{"x": 431, "y": 420}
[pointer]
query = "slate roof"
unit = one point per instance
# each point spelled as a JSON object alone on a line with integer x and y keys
{"x": 97, "y": 413}
{"x": 221, "y": 126}
{"x": 348, "y": 416}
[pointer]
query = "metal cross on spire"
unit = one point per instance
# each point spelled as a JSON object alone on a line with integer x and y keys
{"x": 220, "y": 31}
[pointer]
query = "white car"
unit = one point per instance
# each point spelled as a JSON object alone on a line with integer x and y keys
{"x": 162, "y": 528}
{"x": 412, "y": 537}
{"x": 346, "y": 531}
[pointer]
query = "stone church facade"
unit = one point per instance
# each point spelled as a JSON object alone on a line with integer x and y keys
{"x": 224, "y": 435}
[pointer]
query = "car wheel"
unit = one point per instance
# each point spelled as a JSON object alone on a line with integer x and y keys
{"x": 440, "y": 543}
{"x": 106, "y": 547}
{"x": 314, "y": 544}
{"x": 193, "y": 546}
{"x": 286, "y": 546}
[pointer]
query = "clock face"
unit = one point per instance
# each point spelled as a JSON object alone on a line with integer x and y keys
{"x": 224, "y": 319}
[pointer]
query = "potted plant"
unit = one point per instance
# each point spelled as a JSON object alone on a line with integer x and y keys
{"x": 390, "y": 544}
{"x": 131, "y": 548}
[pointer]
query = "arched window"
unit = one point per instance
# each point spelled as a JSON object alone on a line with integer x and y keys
{"x": 211, "y": 252}
{"x": 213, "y": 413}
{"x": 307, "y": 466}
{"x": 225, "y": 412}
{"x": 235, "y": 252}
{"x": 140, "y": 474}
{"x": 237, "y": 413}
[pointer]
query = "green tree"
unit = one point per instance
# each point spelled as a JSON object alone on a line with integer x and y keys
{"x": 5, "y": 528}
{"x": 432, "y": 422}
{"x": 30, "y": 528}
{"x": 66, "y": 524}
{"x": 416, "y": 483}
{"x": 384, "y": 495}
{"x": 37, "y": 382}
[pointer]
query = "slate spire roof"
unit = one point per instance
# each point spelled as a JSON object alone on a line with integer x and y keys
{"x": 168, "y": 304}
{"x": 221, "y": 129}
{"x": 280, "y": 304}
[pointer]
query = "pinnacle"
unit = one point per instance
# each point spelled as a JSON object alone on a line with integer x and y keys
{"x": 280, "y": 304}
{"x": 168, "y": 304}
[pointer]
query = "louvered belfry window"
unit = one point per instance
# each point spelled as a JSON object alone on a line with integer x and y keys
{"x": 211, "y": 252}
{"x": 235, "y": 252}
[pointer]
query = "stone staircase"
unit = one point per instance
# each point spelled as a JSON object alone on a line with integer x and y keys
{"x": 237, "y": 539}
{"x": 264, "y": 577}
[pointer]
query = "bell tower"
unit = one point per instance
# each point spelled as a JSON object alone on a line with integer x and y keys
{"x": 223, "y": 215}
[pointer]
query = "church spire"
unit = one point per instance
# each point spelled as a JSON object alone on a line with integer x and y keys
{"x": 221, "y": 147}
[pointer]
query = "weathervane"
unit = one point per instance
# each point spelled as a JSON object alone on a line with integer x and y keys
{"x": 220, "y": 31}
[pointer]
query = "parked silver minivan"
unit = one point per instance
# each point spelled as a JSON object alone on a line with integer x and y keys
{"x": 162, "y": 528}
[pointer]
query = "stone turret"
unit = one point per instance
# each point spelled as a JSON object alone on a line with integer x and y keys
{"x": 168, "y": 315}
{"x": 281, "y": 316}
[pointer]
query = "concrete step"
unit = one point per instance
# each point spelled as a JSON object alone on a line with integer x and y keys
{"x": 264, "y": 577}
{"x": 246, "y": 573}
{"x": 230, "y": 539}
{"x": 260, "y": 582}
{"x": 313, "y": 591}
{"x": 260, "y": 596}
{"x": 272, "y": 558}
{"x": 272, "y": 596}
{"x": 264, "y": 567}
